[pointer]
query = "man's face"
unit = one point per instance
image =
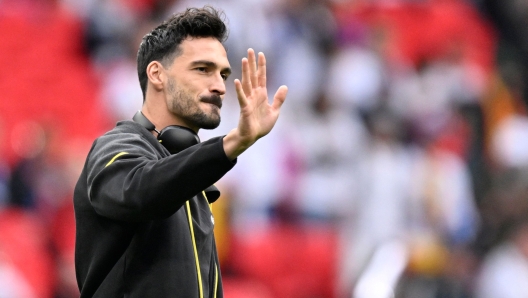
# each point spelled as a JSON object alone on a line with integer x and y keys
{"x": 196, "y": 83}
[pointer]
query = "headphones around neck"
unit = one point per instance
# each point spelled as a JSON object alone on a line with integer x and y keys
{"x": 173, "y": 137}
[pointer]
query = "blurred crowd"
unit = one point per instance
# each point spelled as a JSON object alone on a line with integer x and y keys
{"x": 398, "y": 167}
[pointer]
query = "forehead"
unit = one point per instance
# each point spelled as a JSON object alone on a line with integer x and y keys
{"x": 206, "y": 49}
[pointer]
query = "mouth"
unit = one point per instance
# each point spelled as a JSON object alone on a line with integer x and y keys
{"x": 213, "y": 100}
{"x": 214, "y": 105}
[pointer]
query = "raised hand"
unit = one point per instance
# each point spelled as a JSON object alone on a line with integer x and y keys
{"x": 257, "y": 115}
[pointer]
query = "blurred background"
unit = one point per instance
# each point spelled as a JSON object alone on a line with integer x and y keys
{"x": 398, "y": 168}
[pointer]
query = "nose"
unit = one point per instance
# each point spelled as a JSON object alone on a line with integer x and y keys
{"x": 218, "y": 85}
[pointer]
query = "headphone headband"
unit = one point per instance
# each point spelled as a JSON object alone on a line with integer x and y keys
{"x": 141, "y": 119}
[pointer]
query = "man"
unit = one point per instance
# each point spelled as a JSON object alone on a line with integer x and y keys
{"x": 144, "y": 224}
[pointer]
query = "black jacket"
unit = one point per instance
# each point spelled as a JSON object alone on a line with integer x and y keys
{"x": 134, "y": 236}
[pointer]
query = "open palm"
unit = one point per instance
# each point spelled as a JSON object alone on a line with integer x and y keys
{"x": 257, "y": 115}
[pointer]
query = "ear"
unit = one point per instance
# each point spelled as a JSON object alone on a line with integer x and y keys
{"x": 155, "y": 74}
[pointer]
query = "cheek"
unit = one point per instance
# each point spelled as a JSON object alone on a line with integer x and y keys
{"x": 196, "y": 84}
{"x": 182, "y": 89}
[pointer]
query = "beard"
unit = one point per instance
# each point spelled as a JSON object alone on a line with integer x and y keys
{"x": 184, "y": 106}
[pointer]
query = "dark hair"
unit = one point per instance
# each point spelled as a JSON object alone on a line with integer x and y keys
{"x": 162, "y": 43}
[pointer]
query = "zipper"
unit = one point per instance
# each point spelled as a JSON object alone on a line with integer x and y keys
{"x": 216, "y": 265}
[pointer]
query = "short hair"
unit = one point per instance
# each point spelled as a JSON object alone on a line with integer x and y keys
{"x": 162, "y": 43}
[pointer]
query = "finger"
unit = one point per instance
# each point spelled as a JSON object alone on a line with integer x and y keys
{"x": 252, "y": 67}
{"x": 261, "y": 70}
{"x": 246, "y": 80}
{"x": 280, "y": 97}
{"x": 242, "y": 101}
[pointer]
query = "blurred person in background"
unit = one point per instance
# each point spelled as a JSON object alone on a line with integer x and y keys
{"x": 37, "y": 181}
{"x": 380, "y": 214}
{"x": 135, "y": 203}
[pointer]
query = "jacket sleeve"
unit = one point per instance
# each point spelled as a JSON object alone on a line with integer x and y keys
{"x": 128, "y": 182}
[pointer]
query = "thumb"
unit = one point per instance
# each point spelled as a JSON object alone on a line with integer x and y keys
{"x": 280, "y": 97}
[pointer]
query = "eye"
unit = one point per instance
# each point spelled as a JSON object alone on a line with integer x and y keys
{"x": 201, "y": 69}
{"x": 224, "y": 76}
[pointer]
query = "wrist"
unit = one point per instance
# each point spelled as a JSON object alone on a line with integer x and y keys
{"x": 234, "y": 144}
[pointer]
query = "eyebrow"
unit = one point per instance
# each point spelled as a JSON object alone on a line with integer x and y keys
{"x": 226, "y": 70}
